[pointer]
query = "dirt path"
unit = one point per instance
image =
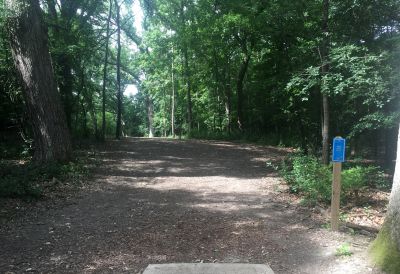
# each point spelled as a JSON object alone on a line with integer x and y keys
{"x": 160, "y": 201}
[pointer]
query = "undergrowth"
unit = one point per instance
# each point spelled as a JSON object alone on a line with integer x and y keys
{"x": 308, "y": 177}
{"x": 29, "y": 181}
{"x": 246, "y": 136}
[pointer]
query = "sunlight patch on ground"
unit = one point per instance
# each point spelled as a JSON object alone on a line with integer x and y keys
{"x": 225, "y": 206}
{"x": 211, "y": 184}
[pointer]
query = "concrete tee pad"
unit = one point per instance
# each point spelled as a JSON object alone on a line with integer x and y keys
{"x": 208, "y": 269}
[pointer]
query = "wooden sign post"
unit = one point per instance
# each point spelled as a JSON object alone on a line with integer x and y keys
{"x": 338, "y": 157}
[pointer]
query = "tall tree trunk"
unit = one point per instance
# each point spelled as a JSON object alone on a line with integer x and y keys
{"x": 324, "y": 71}
{"x": 239, "y": 89}
{"x": 94, "y": 119}
{"x": 386, "y": 247}
{"x": 84, "y": 121}
{"x": 119, "y": 90}
{"x": 81, "y": 90}
{"x": 103, "y": 93}
{"x": 66, "y": 86}
{"x": 393, "y": 215}
{"x": 173, "y": 96}
{"x": 29, "y": 46}
{"x": 325, "y": 130}
{"x": 228, "y": 95}
{"x": 65, "y": 60}
{"x": 217, "y": 90}
{"x": 87, "y": 97}
{"x": 187, "y": 73}
{"x": 150, "y": 115}
{"x": 188, "y": 90}
{"x": 77, "y": 113}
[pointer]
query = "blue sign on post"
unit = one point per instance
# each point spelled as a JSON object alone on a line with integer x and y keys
{"x": 339, "y": 150}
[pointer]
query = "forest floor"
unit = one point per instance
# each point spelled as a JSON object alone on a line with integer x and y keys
{"x": 162, "y": 201}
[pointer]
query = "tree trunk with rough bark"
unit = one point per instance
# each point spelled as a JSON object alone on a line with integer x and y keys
{"x": 325, "y": 130}
{"x": 325, "y": 70}
{"x": 30, "y": 50}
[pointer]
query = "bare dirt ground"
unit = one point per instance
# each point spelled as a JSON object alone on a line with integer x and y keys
{"x": 161, "y": 201}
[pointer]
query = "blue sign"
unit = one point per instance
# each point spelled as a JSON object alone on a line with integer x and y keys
{"x": 339, "y": 150}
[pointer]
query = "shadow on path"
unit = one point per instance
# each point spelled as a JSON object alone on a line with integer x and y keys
{"x": 161, "y": 201}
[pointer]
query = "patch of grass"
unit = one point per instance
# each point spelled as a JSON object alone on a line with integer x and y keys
{"x": 385, "y": 253}
{"x": 343, "y": 250}
{"x": 28, "y": 181}
{"x": 326, "y": 226}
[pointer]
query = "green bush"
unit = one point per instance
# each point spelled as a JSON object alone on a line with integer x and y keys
{"x": 356, "y": 178}
{"x": 306, "y": 175}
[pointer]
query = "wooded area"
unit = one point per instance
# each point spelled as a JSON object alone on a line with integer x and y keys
{"x": 282, "y": 73}
{"x": 285, "y": 73}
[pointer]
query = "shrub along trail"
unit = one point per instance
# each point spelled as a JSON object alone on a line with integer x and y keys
{"x": 160, "y": 201}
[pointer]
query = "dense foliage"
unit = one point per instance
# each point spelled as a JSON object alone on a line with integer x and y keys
{"x": 219, "y": 69}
